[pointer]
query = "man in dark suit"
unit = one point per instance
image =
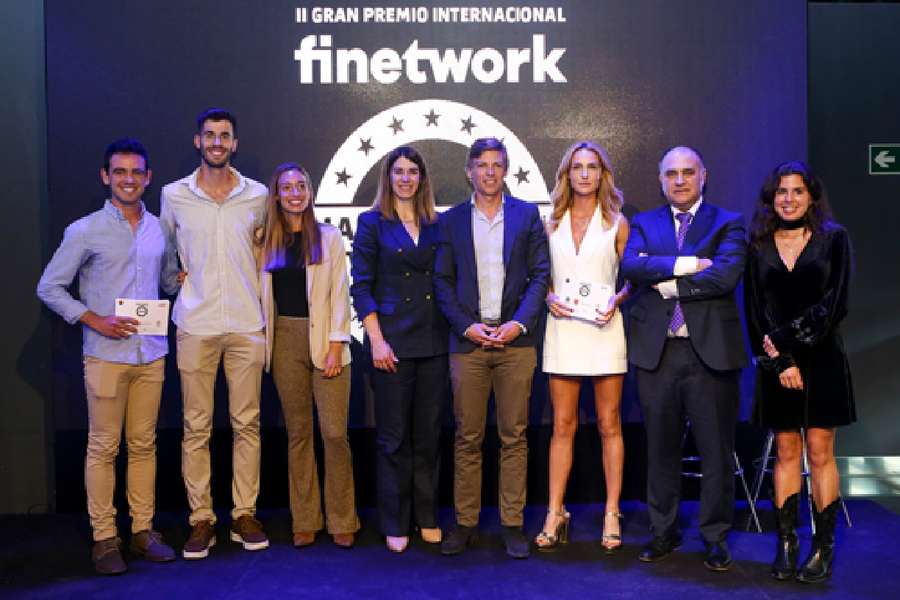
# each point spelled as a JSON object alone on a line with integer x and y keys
{"x": 490, "y": 280}
{"x": 686, "y": 343}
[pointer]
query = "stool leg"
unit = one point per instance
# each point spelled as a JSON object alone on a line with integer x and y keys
{"x": 805, "y": 474}
{"x": 846, "y": 512}
{"x": 739, "y": 470}
{"x": 760, "y": 474}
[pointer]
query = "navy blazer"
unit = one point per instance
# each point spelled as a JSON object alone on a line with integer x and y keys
{"x": 526, "y": 260}
{"x": 393, "y": 277}
{"x": 707, "y": 298}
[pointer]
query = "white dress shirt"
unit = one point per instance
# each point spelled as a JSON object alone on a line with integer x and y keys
{"x": 215, "y": 244}
{"x": 684, "y": 265}
{"x": 487, "y": 237}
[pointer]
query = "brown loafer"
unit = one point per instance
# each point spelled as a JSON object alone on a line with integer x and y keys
{"x": 304, "y": 538}
{"x": 343, "y": 540}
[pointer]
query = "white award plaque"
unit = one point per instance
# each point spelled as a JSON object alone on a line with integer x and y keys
{"x": 585, "y": 297}
{"x": 152, "y": 315}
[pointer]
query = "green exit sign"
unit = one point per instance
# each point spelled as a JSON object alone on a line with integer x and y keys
{"x": 884, "y": 159}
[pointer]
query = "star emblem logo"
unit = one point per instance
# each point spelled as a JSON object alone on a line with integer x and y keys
{"x": 343, "y": 176}
{"x": 396, "y": 125}
{"x": 365, "y": 146}
{"x": 468, "y": 125}
{"x": 521, "y": 176}
{"x": 432, "y": 118}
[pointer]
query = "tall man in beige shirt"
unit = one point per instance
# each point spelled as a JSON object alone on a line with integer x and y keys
{"x": 208, "y": 218}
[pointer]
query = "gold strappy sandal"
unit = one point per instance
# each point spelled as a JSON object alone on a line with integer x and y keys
{"x": 549, "y": 541}
{"x": 611, "y": 542}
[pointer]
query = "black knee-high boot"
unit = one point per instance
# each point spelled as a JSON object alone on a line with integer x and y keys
{"x": 788, "y": 547}
{"x": 817, "y": 566}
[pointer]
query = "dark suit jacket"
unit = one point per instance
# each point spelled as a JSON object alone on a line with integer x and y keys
{"x": 707, "y": 298}
{"x": 393, "y": 277}
{"x": 525, "y": 257}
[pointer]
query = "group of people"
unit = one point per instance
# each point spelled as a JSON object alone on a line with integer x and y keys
{"x": 261, "y": 284}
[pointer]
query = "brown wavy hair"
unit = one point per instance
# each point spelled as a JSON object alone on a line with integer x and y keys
{"x": 609, "y": 197}
{"x": 423, "y": 202}
{"x": 765, "y": 221}
{"x": 276, "y": 235}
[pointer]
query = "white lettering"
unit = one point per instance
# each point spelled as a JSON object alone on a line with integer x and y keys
{"x": 360, "y": 61}
{"x": 385, "y": 65}
{"x": 451, "y": 64}
{"x": 420, "y": 65}
{"x": 481, "y": 72}
{"x": 545, "y": 64}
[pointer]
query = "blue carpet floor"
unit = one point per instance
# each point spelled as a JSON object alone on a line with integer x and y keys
{"x": 49, "y": 557}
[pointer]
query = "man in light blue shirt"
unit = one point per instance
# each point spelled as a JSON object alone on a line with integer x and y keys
{"x": 116, "y": 252}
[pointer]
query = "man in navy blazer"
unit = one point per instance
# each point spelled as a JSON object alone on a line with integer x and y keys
{"x": 686, "y": 343}
{"x": 490, "y": 280}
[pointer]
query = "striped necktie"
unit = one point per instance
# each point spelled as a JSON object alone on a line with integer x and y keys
{"x": 684, "y": 222}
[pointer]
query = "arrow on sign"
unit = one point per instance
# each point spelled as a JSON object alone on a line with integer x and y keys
{"x": 884, "y": 159}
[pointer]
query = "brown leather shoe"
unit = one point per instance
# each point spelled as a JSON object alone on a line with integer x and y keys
{"x": 202, "y": 538}
{"x": 150, "y": 545}
{"x": 343, "y": 540}
{"x": 304, "y": 538}
{"x": 107, "y": 557}
{"x": 248, "y": 532}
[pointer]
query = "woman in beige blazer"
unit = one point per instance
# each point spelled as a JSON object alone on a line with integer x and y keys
{"x": 306, "y": 302}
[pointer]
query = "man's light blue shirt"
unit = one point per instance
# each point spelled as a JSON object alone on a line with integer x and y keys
{"x": 111, "y": 261}
{"x": 488, "y": 241}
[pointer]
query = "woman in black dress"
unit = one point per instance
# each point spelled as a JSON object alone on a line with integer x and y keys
{"x": 407, "y": 335}
{"x": 798, "y": 270}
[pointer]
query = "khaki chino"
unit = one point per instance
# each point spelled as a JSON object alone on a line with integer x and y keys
{"x": 120, "y": 394}
{"x": 509, "y": 371}
{"x": 243, "y": 356}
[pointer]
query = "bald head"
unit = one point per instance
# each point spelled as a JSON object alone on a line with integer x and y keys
{"x": 681, "y": 150}
{"x": 682, "y": 176}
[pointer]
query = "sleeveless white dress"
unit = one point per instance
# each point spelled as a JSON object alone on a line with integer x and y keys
{"x": 573, "y": 346}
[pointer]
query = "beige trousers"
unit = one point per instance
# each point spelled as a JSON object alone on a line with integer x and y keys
{"x": 509, "y": 372}
{"x": 299, "y": 383}
{"x": 243, "y": 355}
{"x": 121, "y": 394}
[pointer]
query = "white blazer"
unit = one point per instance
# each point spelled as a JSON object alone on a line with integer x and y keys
{"x": 328, "y": 297}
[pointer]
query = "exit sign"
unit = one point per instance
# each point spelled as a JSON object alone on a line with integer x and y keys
{"x": 884, "y": 159}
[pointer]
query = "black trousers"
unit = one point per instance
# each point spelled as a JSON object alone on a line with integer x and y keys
{"x": 680, "y": 388}
{"x": 409, "y": 406}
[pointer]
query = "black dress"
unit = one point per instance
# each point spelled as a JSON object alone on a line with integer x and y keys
{"x": 800, "y": 311}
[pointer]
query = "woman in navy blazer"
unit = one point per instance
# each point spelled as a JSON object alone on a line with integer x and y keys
{"x": 392, "y": 261}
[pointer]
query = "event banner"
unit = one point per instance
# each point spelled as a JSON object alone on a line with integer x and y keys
{"x": 335, "y": 86}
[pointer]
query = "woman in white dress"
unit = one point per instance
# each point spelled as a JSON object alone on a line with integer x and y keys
{"x": 587, "y": 232}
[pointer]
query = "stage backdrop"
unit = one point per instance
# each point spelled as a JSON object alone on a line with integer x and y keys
{"x": 335, "y": 88}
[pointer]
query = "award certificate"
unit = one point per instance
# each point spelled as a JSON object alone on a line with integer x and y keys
{"x": 585, "y": 297}
{"x": 152, "y": 315}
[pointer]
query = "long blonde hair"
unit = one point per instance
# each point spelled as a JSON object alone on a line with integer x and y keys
{"x": 423, "y": 202}
{"x": 276, "y": 234}
{"x": 609, "y": 197}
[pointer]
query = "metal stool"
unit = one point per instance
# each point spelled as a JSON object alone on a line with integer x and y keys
{"x": 738, "y": 472}
{"x": 762, "y": 467}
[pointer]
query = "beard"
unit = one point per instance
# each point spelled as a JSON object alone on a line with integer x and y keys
{"x": 213, "y": 163}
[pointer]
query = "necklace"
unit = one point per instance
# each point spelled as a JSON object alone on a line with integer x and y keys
{"x": 790, "y": 245}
